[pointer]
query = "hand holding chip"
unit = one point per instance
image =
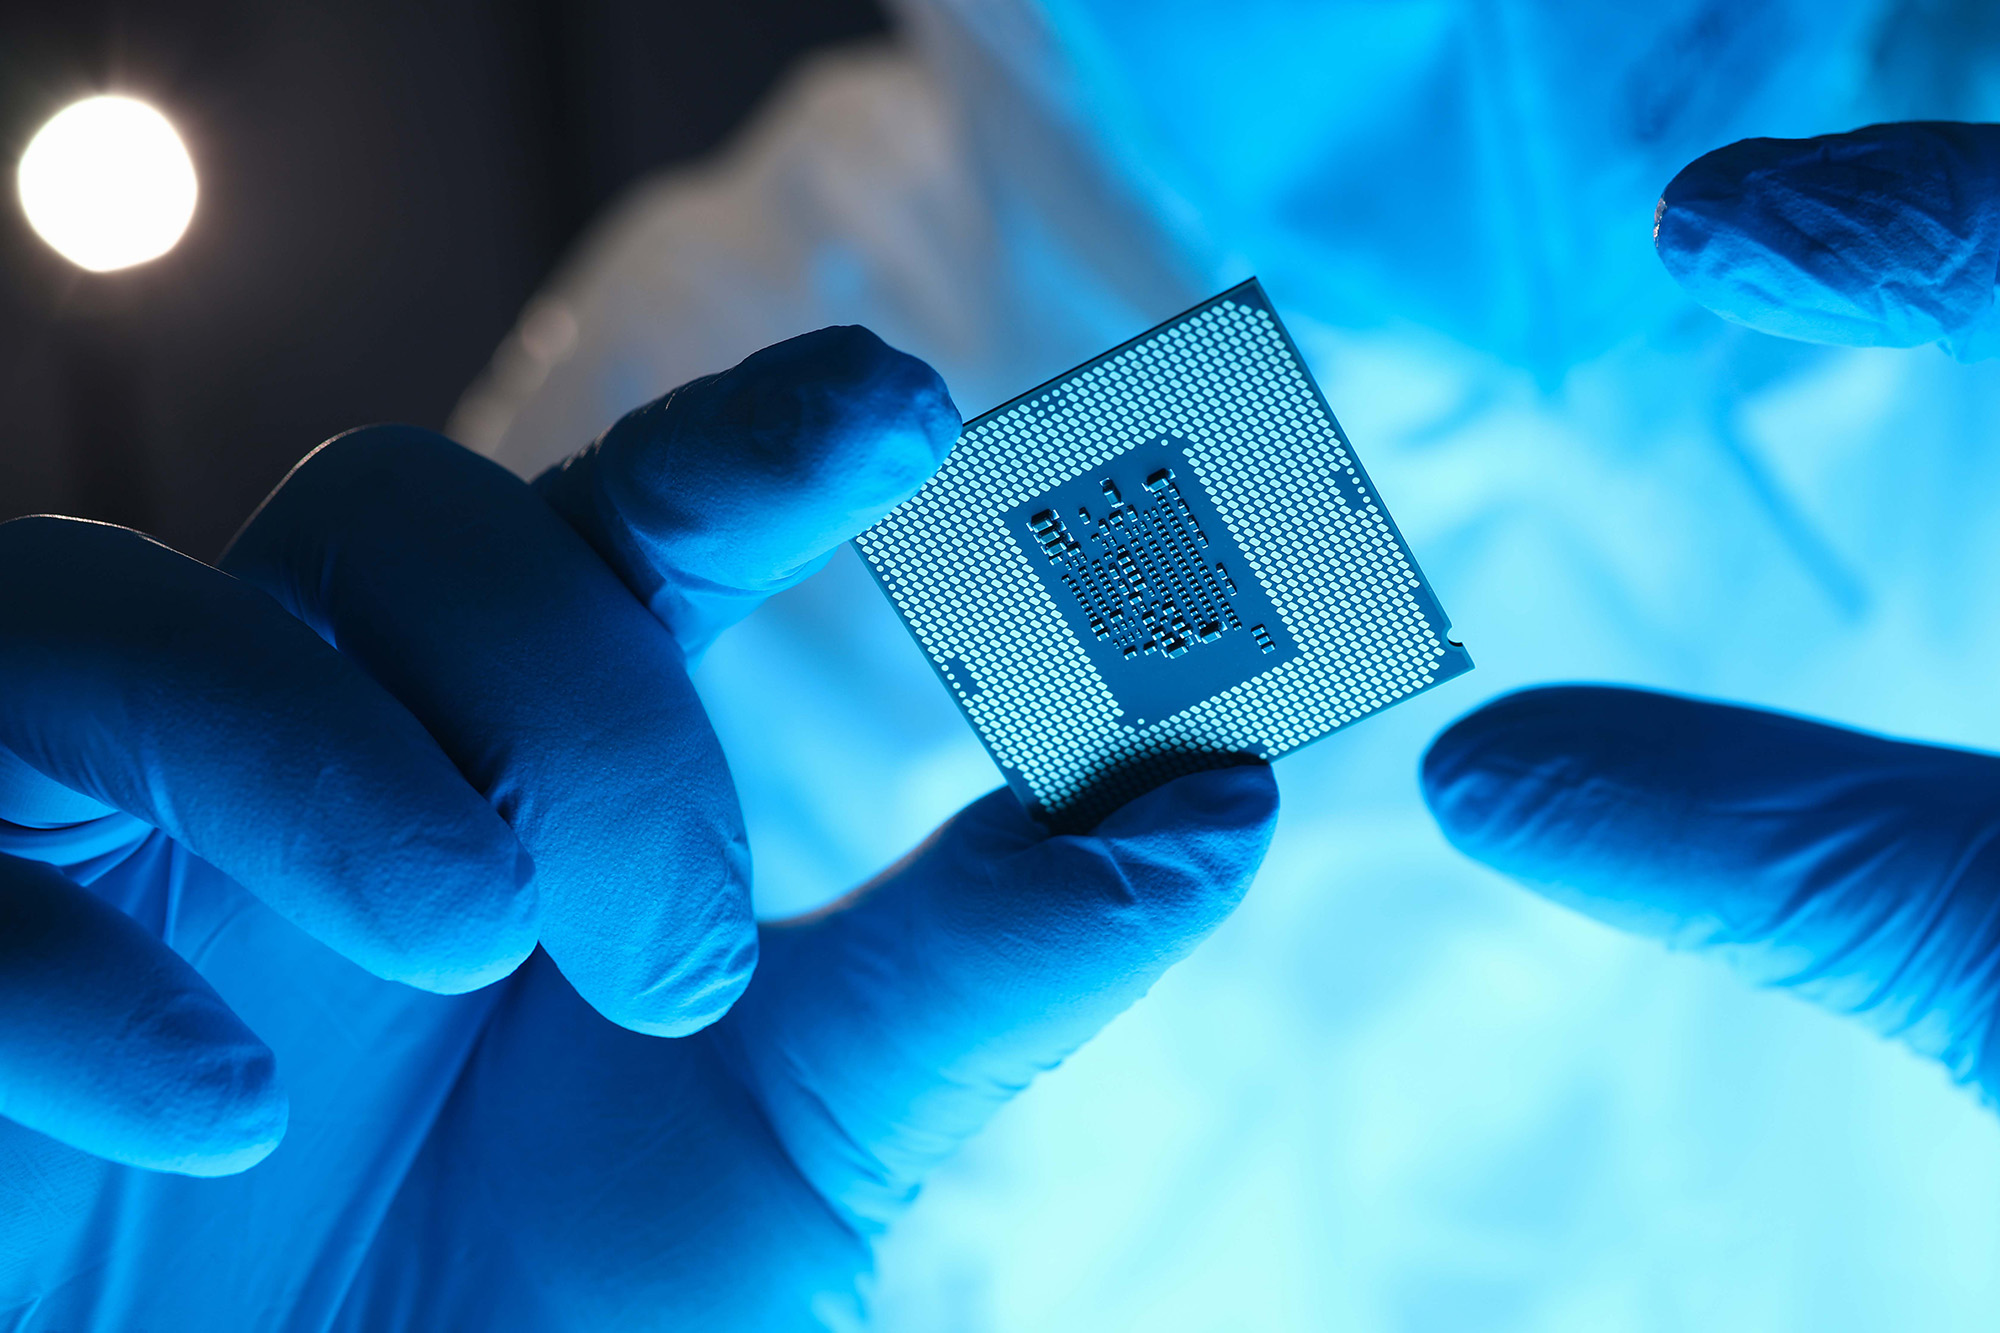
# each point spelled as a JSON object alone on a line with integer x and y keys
{"x": 508, "y": 1157}
{"x": 1859, "y": 871}
{"x": 747, "y": 1167}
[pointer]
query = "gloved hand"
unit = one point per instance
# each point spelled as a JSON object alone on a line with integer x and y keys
{"x": 508, "y": 1157}
{"x": 1861, "y": 872}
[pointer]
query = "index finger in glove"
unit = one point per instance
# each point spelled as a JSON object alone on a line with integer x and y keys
{"x": 1863, "y": 870}
{"x": 1888, "y": 236}
{"x": 161, "y": 687}
{"x": 738, "y": 485}
{"x": 552, "y": 690}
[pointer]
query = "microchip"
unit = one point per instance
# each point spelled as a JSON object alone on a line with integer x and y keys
{"x": 1166, "y": 560}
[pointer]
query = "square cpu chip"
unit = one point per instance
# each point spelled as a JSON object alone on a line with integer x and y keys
{"x": 1162, "y": 561}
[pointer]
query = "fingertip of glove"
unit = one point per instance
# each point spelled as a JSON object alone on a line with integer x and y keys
{"x": 1877, "y": 237}
{"x": 853, "y": 365}
{"x": 1504, "y": 736}
{"x": 864, "y": 403}
{"x": 216, "y": 1106}
{"x": 1241, "y": 797}
{"x": 693, "y": 994}
{"x": 1217, "y": 823}
{"x": 1522, "y": 778}
{"x": 745, "y": 479}
{"x": 248, "y": 1125}
{"x": 1240, "y": 793}
{"x": 471, "y": 922}
{"x": 1719, "y": 232}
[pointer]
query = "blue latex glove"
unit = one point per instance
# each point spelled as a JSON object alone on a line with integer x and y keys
{"x": 1885, "y": 237}
{"x": 312, "y": 825}
{"x": 1862, "y": 872}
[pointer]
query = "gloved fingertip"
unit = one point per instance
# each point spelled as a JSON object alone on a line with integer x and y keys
{"x": 241, "y": 1124}
{"x": 1883, "y": 237}
{"x": 1240, "y": 799}
{"x": 688, "y": 993}
{"x": 192, "y": 1092}
{"x": 1480, "y": 772}
{"x": 1197, "y": 840}
{"x": 1582, "y": 786}
{"x": 114, "y": 1044}
{"x": 471, "y": 922}
{"x": 842, "y": 423}
{"x": 1721, "y": 229}
{"x": 853, "y": 381}
{"x": 742, "y": 482}
{"x": 459, "y": 967}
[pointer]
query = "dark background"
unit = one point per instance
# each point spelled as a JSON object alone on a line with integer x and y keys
{"x": 383, "y": 184}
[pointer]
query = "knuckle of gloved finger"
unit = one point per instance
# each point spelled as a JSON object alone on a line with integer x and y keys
{"x": 374, "y": 489}
{"x": 23, "y": 537}
{"x": 81, "y": 569}
{"x": 35, "y": 534}
{"x": 386, "y": 449}
{"x": 367, "y": 469}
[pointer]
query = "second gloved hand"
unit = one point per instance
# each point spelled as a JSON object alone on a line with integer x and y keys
{"x": 1859, "y": 871}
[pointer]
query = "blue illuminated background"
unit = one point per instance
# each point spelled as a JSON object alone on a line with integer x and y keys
{"x": 1395, "y": 1092}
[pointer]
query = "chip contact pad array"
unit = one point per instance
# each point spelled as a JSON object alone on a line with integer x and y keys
{"x": 1165, "y": 560}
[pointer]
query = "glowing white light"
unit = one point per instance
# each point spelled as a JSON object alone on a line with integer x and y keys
{"x": 108, "y": 183}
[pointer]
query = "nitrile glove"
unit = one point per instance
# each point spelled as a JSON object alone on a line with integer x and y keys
{"x": 1888, "y": 236}
{"x": 152, "y": 709}
{"x": 1860, "y": 871}
{"x": 511, "y": 1157}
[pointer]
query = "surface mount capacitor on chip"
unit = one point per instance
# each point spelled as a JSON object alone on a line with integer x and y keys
{"x": 1163, "y": 561}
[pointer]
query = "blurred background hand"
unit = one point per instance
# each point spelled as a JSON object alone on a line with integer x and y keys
{"x": 1859, "y": 871}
